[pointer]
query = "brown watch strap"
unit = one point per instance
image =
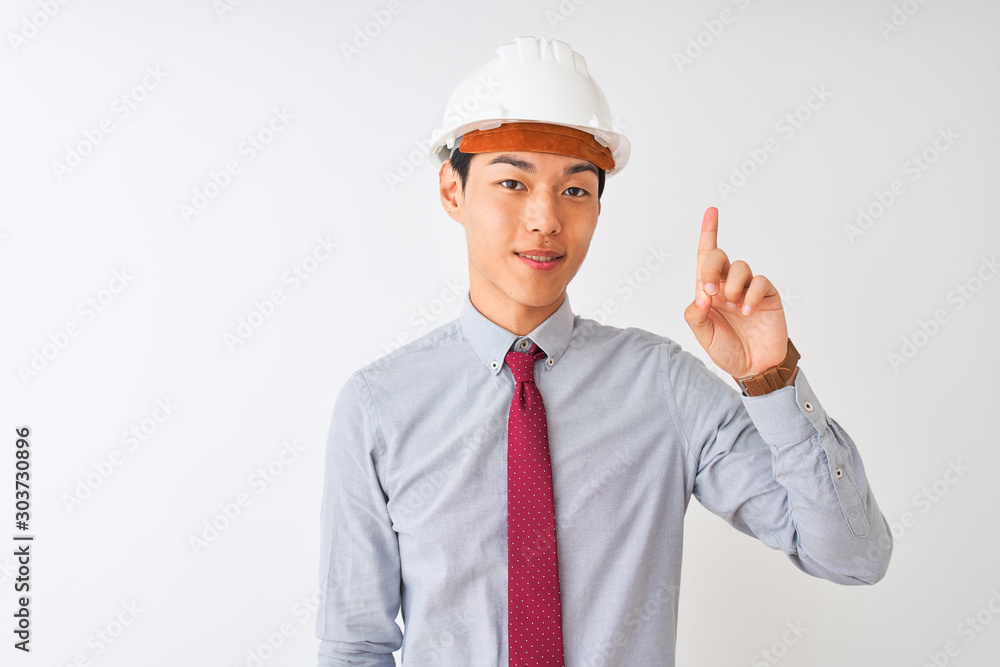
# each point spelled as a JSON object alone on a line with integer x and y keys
{"x": 775, "y": 377}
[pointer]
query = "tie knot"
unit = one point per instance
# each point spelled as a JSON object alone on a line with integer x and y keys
{"x": 522, "y": 364}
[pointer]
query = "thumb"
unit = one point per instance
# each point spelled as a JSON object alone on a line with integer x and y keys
{"x": 697, "y": 318}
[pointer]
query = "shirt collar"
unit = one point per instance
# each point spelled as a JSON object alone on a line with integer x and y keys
{"x": 492, "y": 342}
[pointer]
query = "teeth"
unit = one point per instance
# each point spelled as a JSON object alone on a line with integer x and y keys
{"x": 540, "y": 259}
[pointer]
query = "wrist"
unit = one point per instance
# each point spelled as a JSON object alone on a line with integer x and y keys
{"x": 776, "y": 377}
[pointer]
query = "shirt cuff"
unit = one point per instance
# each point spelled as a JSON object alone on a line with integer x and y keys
{"x": 787, "y": 415}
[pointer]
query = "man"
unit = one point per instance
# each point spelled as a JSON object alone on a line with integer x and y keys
{"x": 516, "y": 480}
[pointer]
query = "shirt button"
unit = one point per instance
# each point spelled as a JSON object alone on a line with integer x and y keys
{"x": 524, "y": 343}
{"x": 839, "y": 473}
{"x": 808, "y": 406}
{"x": 550, "y": 361}
{"x": 494, "y": 365}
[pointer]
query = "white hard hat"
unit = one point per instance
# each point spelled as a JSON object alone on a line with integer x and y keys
{"x": 530, "y": 80}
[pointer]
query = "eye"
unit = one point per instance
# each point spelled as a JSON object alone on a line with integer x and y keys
{"x": 580, "y": 192}
{"x": 514, "y": 187}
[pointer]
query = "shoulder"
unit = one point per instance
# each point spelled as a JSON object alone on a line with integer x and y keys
{"x": 411, "y": 358}
{"x": 588, "y": 332}
{"x": 639, "y": 346}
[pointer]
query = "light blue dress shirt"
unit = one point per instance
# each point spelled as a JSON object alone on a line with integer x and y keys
{"x": 414, "y": 507}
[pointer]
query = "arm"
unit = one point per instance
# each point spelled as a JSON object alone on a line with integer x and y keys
{"x": 359, "y": 572}
{"x": 773, "y": 465}
{"x": 768, "y": 466}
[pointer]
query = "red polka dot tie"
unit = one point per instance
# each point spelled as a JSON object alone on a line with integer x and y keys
{"x": 534, "y": 619}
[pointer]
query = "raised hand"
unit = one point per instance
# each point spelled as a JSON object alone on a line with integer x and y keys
{"x": 736, "y": 316}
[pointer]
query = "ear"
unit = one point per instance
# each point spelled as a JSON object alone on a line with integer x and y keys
{"x": 450, "y": 188}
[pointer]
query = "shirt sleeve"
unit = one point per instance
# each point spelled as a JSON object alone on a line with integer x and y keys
{"x": 359, "y": 571}
{"x": 779, "y": 468}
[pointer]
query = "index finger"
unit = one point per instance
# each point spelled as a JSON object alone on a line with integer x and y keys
{"x": 708, "y": 239}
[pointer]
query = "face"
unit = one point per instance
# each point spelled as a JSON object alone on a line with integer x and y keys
{"x": 519, "y": 205}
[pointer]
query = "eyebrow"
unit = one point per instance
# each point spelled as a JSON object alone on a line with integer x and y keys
{"x": 528, "y": 167}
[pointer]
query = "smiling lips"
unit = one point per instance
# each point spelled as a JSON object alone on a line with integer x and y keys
{"x": 540, "y": 259}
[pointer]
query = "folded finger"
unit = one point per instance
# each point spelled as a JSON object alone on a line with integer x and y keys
{"x": 714, "y": 268}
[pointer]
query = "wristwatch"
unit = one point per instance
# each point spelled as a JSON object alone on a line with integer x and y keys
{"x": 775, "y": 377}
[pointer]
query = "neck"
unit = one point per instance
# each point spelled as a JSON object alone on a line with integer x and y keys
{"x": 518, "y": 318}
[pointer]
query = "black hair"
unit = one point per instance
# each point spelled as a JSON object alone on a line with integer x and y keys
{"x": 460, "y": 163}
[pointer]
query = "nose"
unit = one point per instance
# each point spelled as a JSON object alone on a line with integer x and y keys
{"x": 541, "y": 213}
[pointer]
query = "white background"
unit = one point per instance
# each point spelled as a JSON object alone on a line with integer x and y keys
{"x": 851, "y": 300}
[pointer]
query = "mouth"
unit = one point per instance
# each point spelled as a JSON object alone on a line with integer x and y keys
{"x": 540, "y": 260}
